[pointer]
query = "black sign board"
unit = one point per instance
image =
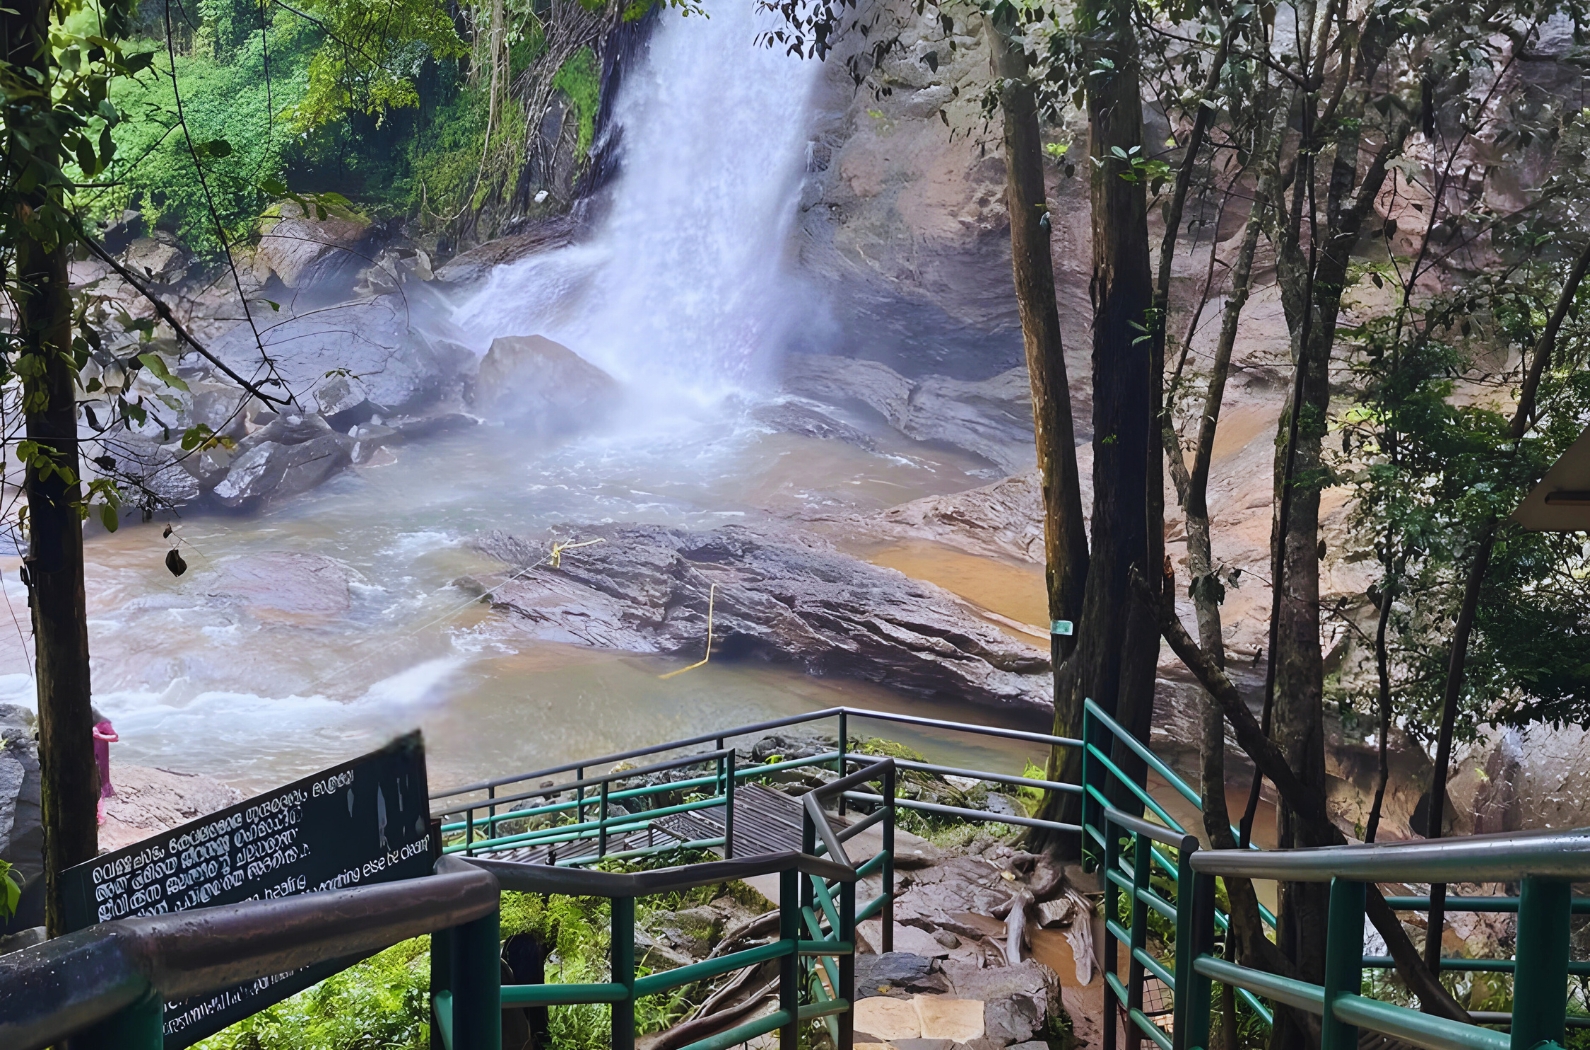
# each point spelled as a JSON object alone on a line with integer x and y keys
{"x": 361, "y": 822}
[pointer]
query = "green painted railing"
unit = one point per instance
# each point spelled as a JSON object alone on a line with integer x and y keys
{"x": 815, "y": 947}
{"x": 1128, "y": 849}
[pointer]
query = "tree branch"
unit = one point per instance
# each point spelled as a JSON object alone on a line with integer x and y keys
{"x": 1307, "y": 801}
{"x": 170, "y": 319}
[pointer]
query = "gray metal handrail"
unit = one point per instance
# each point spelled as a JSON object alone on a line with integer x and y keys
{"x": 1047, "y": 739}
{"x": 64, "y": 986}
{"x": 1506, "y": 857}
{"x": 588, "y": 782}
{"x": 521, "y": 877}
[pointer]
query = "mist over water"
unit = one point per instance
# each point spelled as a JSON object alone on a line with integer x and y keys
{"x": 682, "y": 290}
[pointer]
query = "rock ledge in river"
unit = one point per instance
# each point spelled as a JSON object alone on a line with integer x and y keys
{"x": 781, "y": 597}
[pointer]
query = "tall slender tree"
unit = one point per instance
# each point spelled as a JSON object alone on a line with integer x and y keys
{"x": 41, "y": 354}
{"x": 1026, "y": 196}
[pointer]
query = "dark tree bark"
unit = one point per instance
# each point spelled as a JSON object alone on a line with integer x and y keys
{"x": 1065, "y": 538}
{"x": 54, "y": 559}
{"x": 1118, "y": 642}
{"x": 1305, "y": 799}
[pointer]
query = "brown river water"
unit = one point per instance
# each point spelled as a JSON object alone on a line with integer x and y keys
{"x": 314, "y": 630}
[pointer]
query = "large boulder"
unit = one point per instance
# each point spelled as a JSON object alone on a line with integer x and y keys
{"x": 991, "y": 418}
{"x": 291, "y": 454}
{"x": 780, "y": 596}
{"x": 534, "y": 380}
{"x": 308, "y": 253}
{"x": 369, "y": 356}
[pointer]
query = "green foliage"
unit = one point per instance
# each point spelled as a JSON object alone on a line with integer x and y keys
{"x": 382, "y": 1002}
{"x": 1435, "y": 465}
{"x": 10, "y": 892}
{"x": 372, "y": 57}
{"x": 580, "y": 78}
{"x": 232, "y": 124}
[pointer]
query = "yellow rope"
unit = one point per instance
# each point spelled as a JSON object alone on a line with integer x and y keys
{"x": 556, "y": 559}
{"x": 711, "y": 594}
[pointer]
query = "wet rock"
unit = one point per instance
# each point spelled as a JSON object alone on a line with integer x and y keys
{"x": 283, "y": 581}
{"x": 150, "y": 800}
{"x": 289, "y": 455}
{"x": 535, "y": 381}
{"x": 1004, "y": 518}
{"x": 991, "y": 418}
{"x": 156, "y": 469}
{"x": 477, "y": 263}
{"x": 21, "y": 827}
{"x": 895, "y": 973}
{"x": 252, "y": 475}
{"x": 780, "y": 597}
{"x": 157, "y": 258}
{"x": 1017, "y": 998}
{"x": 304, "y": 252}
{"x": 395, "y": 352}
{"x": 793, "y": 417}
{"x": 847, "y": 381}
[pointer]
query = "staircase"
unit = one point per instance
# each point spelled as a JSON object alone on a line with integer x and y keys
{"x": 106, "y": 986}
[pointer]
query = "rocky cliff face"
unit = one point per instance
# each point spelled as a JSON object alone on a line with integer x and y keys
{"x": 903, "y": 212}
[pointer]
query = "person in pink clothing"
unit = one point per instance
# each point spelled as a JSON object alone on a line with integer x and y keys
{"x": 104, "y": 736}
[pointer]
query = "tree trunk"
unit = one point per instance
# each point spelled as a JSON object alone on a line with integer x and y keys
{"x": 54, "y": 559}
{"x": 1065, "y": 539}
{"x": 1118, "y": 642}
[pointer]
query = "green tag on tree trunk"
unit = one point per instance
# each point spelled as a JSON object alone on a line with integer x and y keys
{"x": 1061, "y": 627}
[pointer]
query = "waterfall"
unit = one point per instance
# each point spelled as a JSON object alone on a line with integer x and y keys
{"x": 682, "y": 288}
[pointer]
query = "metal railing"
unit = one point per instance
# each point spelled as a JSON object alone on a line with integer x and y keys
{"x": 815, "y": 947}
{"x": 105, "y": 988}
{"x": 1131, "y": 849}
{"x": 475, "y": 808}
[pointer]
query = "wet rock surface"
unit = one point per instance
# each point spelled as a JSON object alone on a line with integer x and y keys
{"x": 388, "y": 350}
{"x": 536, "y": 382}
{"x": 991, "y": 418}
{"x": 149, "y": 800}
{"x": 780, "y": 596}
{"x": 808, "y": 420}
{"x": 21, "y": 827}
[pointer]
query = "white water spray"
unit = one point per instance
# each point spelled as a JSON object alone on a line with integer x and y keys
{"x": 683, "y": 288}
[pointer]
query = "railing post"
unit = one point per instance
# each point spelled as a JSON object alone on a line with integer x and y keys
{"x": 477, "y": 984}
{"x": 844, "y": 747}
{"x": 1092, "y": 810}
{"x": 491, "y": 813}
{"x": 1540, "y": 977}
{"x": 789, "y": 972}
{"x": 623, "y": 941}
{"x": 847, "y": 965}
{"x": 601, "y": 823}
{"x": 1344, "y": 961}
{"x": 1142, "y": 859}
{"x": 579, "y": 795}
{"x": 888, "y": 859}
{"x": 1186, "y": 941}
{"x": 1193, "y": 1031}
{"x": 1112, "y": 849}
{"x": 441, "y": 982}
{"x": 140, "y": 1026}
{"x": 469, "y": 832}
{"x": 728, "y": 809}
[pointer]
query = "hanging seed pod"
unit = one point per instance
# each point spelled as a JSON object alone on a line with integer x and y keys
{"x": 175, "y": 563}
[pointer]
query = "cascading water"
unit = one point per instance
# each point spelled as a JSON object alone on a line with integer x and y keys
{"x": 682, "y": 288}
{"x": 681, "y": 291}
